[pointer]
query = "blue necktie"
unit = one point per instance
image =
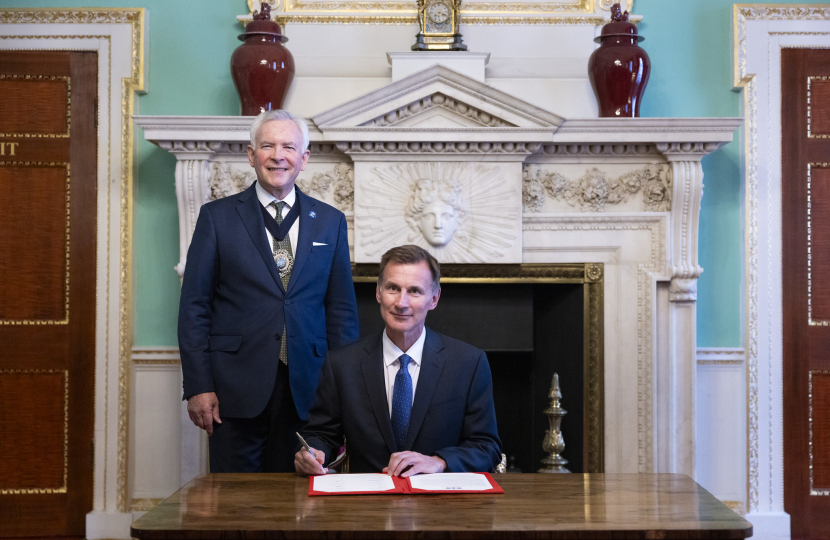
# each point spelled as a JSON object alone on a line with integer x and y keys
{"x": 401, "y": 402}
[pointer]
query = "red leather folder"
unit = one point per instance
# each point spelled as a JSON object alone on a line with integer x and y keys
{"x": 403, "y": 487}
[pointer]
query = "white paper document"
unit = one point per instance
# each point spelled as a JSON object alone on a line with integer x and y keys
{"x": 344, "y": 483}
{"x": 450, "y": 482}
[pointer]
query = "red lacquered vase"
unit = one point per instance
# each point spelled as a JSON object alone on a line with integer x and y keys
{"x": 619, "y": 68}
{"x": 261, "y": 67}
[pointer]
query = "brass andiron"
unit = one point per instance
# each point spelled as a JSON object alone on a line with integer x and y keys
{"x": 554, "y": 444}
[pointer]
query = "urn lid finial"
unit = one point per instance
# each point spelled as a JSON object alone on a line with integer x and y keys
{"x": 619, "y": 26}
{"x": 265, "y": 14}
{"x": 617, "y": 15}
{"x": 262, "y": 25}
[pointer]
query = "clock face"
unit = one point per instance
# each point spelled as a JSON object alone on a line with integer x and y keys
{"x": 438, "y": 12}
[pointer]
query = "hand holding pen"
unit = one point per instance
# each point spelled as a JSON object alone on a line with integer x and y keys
{"x": 308, "y": 460}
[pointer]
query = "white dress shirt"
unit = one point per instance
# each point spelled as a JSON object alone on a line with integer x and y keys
{"x": 391, "y": 353}
{"x": 265, "y": 199}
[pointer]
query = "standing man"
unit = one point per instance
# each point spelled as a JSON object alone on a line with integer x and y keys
{"x": 408, "y": 400}
{"x": 267, "y": 290}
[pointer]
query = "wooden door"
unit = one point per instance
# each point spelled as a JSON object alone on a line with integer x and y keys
{"x": 805, "y": 93}
{"x": 47, "y": 290}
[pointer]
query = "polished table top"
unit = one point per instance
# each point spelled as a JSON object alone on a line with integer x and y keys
{"x": 555, "y": 506}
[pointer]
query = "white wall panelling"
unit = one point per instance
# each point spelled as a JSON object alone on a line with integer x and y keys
{"x": 721, "y": 423}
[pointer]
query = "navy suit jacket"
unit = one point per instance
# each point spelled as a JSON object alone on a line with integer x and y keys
{"x": 233, "y": 305}
{"x": 453, "y": 415}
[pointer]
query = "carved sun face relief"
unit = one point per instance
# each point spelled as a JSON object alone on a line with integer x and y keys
{"x": 436, "y": 208}
{"x": 460, "y": 212}
{"x": 438, "y": 223}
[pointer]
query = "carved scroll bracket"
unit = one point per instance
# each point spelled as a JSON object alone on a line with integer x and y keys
{"x": 687, "y": 172}
{"x": 192, "y": 191}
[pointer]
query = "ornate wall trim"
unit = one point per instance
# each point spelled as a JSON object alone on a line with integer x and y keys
{"x": 760, "y": 31}
{"x": 591, "y": 12}
{"x": 735, "y": 506}
{"x": 715, "y": 356}
{"x": 117, "y": 34}
{"x": 144, "y": 505}
{"x": 155, "y": 356}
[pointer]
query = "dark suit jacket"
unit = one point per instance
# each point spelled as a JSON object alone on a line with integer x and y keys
{"x": 453, "y": 415}
{"x": 233, "y": 306}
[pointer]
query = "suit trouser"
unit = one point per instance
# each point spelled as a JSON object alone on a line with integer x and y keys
{"x": 265, "y": 443}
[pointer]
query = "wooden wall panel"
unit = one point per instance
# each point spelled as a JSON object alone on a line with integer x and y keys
{"x": 33, "y": 241}
{"x": 805, "y": 194}
{"x": 46, "y": 432}
{"x": 33, "y": 444}
{"x": 820, "y": 243}
{"x": 820, "y": 429}
{"x": 34, "y": 105}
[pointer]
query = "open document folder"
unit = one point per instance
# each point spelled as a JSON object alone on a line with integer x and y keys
{"x": 383, "y": 484}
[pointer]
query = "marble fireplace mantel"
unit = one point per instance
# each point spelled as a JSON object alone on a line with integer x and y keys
{"x": 622, "y": 192}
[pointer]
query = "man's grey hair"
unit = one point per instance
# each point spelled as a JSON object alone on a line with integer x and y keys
{"x": 271, "y": 116}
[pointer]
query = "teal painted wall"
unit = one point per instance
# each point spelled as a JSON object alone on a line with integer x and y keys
{"x": 690, "y": 47}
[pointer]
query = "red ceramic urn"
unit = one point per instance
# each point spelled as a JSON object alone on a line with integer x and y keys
{"x": 619, "y": 68}
{"x": 261, "y": 67}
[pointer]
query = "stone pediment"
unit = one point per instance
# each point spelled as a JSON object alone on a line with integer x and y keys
{"x": 437, "y": 98}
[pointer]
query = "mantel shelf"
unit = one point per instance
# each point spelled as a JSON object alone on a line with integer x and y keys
{"x": 573, "y": 130}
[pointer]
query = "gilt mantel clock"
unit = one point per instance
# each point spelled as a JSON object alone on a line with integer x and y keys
{"x": 438, "y": 21}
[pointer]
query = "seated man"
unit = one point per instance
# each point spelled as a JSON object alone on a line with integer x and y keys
{"x": 408, "y": 399}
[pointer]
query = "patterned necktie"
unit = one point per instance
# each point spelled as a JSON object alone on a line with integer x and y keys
{"x": 401, "y": 402}
{"x": 284, "y": 257}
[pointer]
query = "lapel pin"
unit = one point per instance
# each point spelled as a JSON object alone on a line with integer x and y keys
{"x": 312, "y": 214}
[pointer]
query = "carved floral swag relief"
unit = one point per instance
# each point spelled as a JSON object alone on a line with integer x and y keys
{"x": 340, "y": 180}
{"x": 225, "y": 180}
{"x": 594, "y": 190}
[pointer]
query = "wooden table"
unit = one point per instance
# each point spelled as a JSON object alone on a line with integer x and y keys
{"x": 538, "y": 506}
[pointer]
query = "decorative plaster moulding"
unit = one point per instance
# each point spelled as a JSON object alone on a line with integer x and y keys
{"x": 592, "y": 12}
{"x": 574, "y": 132}
{"x": 621, "y": 192}
{"x": 760, "y": 32}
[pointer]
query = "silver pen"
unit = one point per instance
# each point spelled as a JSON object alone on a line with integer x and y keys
{"x": 305, "y": 445}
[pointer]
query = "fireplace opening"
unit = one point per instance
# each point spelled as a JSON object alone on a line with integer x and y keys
{"x": 530, "y": 327}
